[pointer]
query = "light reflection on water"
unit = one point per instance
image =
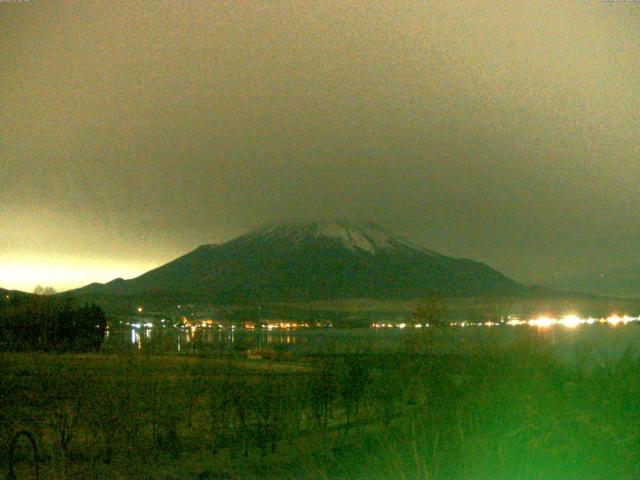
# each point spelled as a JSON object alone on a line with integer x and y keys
{"x": 598, "y": 343}
{"x": 177, "y": 339}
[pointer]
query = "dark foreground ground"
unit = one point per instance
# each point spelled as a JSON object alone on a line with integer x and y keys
{"x": 496, "y": 414}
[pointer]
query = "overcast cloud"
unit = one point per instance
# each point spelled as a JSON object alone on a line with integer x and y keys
{"x": 132, "y": 132}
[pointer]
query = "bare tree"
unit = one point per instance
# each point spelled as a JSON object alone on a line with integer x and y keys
{"x": 40, "y": 290}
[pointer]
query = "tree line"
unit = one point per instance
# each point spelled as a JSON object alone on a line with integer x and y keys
{"x": 49, "y": 323}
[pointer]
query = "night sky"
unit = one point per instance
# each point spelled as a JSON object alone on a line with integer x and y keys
{"x": 132, "y": 132}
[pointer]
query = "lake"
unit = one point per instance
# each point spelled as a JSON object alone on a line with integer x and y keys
{"x": 590, "y": 344}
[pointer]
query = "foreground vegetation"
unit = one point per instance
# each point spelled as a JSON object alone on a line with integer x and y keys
{"x": 493, "y": 414}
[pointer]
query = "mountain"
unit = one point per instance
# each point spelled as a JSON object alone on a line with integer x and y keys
{"x": 312, "y": 261}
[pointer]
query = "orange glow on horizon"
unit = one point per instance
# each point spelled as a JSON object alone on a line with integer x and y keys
{"x": 64, "y": 273}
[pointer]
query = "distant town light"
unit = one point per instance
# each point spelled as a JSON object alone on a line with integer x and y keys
{"x": 615, "y": 320}
{"x": 542, "y": 322}
{"x": 571, "y": 321}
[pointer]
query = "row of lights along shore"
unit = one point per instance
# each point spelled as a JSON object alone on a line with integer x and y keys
{"x": 567, "y": 321}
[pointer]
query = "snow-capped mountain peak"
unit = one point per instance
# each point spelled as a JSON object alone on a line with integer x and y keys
{"x": 355, "y": 236}
{"x": 312, "y": 261}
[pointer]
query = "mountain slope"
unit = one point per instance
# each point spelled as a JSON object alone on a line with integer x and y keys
{"x": 8, "y": 294}
{"x": 313, "y": 261}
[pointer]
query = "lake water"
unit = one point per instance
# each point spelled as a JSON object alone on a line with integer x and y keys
{"x": 590, "y": 344}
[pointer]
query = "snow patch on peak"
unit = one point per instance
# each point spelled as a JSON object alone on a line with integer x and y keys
{"x": 363, "y": 237}
{"x": 366, "y": 237}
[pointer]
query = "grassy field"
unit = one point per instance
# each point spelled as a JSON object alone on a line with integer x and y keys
{"x": 512, "y": 414}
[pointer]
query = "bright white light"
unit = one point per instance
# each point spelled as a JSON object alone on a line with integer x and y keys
{"x": 615, "y": 320}
{"x": 571, "y": 321}
{"x": 542, "y": 322}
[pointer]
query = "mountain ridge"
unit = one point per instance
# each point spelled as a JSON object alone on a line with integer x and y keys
{"x": 313, "y": 261}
